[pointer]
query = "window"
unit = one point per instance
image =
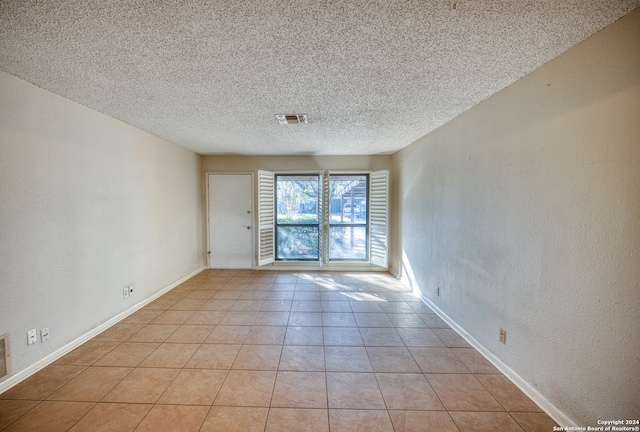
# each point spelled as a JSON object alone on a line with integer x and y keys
{"x": 349, "y": 217}
{"x": 325, "y": 217}
{"x": 297, "y": 217}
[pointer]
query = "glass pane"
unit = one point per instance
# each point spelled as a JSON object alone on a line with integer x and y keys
{"x": 348, "y": 242}
{"x": 348, "y": 204}
{"x": 298, "y": 242}
{"x": 297, "y": 198}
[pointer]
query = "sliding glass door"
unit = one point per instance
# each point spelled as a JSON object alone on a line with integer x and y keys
{"x": 298, "y": 218}
{"x": 348, "y": 226}
{"x": 323, "y": 216}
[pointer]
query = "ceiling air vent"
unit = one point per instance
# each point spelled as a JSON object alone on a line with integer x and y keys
{"x": 4, "y": 356}
{"x": 291, "y": 118}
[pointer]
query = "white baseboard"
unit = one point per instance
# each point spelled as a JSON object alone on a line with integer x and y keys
{"x": 36, "y": 367}
{"x": 558, "y": 416}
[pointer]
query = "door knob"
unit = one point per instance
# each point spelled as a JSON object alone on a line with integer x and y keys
{"x": 248, "y": 227}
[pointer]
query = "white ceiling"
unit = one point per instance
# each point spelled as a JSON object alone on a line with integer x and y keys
{"x": 372, "y": 76}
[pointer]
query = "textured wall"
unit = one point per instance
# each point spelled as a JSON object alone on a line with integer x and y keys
{"x": 525, "y": 211}
{"x": 88, "y": 205}
{"x": 293, "y": 163}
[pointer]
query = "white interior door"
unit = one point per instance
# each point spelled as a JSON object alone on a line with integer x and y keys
{"x": 230, "y": 202}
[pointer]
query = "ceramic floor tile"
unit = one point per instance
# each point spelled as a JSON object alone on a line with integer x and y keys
{"x": 276, "y": 306}
{"x": 200, "y": 295}
{"x": 247, "y": 306}
{"x": 109, "y": 417}
{"x": 381, "y": 337}
{"x": 173, "y": 317}
{"x": 300, "y": 390}
{"x": 214, "y": 356}
{"x": 342, "y": 336}
{"x": 228, "y": 334}
{"x": 154, "y": 333}
{"x": 450, "y": 338}
{"x": 408, "y": 392}
{"x": 359, "y": 421}
{"x": 206, "y": 317}
{"x": 338, "y": 319}
{"x": 306, "y": 306}
{"x": 51, "y": 416}
{"x": 474, "y": 361}
{"x": 127, "y": 354}
{"x": 163, "y": 303}
{"x": 266, "y": 335}
{"x": 253, "y": 350}
{"x": 194, "y": 387}
{"x": 258, "y": 294}
{"x": 462, "y": 392}
{"x": 189, "y": 333}
{"x": 433, "y": 321}
{"x": 534, "y": 422}
{"x": 142, "y": 386}
{"x": 247, "y": 388}
{"x": 142, "y": 316}
{"x": 233, "y": 318}
{"x": 258, "y": 357}
{"x": 10, "y": 410}
{"x": 188, "y": 304}
{"x": 170, "y": 418}
{"x": 272, "y": 319}
{"x": 87, "y": 353}
{"x": 485, "y": 422}
{"x": 392, "y": 359}
{"x": 419, "y": 337}
{"x": 42, "y": 384}
{"x": 170, "y": 355}
{"x": 302, "y": 358}
{"x": 410, "y": 421}
{"x": 329, "y": 296}
{"x": 365, "y": 307}
{"x": 437, "y": 360}
{"x": 410, "y": 320}
{"x": 510, "y": 396}
{"x": 119, "y": 332}
{"x": 292, "y": 419}
{"x": 279, "y": 295}
{"x": 347, "y": 359}
{"x": 342, "y": 306}
{"x": 235, "y": 419}
{"x": 400, "y": 307}
{"x": 312, "y": 295}
{"x": 372, "y": 319}
{"x": 91, "y": 385}
{"x": 305, "y": 319}
{"x": 220, "y": 305}
{"x": 304, "y": 336}
{"x": 354, "y": 391}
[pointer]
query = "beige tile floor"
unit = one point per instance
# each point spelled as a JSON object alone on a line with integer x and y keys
{"x": 274, "y": 351}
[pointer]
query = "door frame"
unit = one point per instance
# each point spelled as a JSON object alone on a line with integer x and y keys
{"x": 208, "y": 216}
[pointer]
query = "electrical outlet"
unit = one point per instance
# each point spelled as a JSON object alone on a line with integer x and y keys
{"x": 44, "y": 335}
{"x": 438, "y": 291}
{"x": 503, "y": 336}
{"x": 130, "y": 290}
{"x": 125, "y": 292}
{"x": 32, "y": 336}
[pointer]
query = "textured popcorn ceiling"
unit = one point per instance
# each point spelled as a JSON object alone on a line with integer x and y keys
{"x": 373, "y": 76}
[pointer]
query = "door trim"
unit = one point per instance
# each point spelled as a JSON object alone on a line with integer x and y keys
{"x": 207, "y": 215}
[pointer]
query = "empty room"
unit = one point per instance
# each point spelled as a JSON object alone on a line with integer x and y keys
{"x": 320, "y": 216}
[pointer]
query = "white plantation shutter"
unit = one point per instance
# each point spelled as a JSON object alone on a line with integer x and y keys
{"x": 325, "y": 216}
{"x": 379, "y": 218}
{"x": 266, "y": 212}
